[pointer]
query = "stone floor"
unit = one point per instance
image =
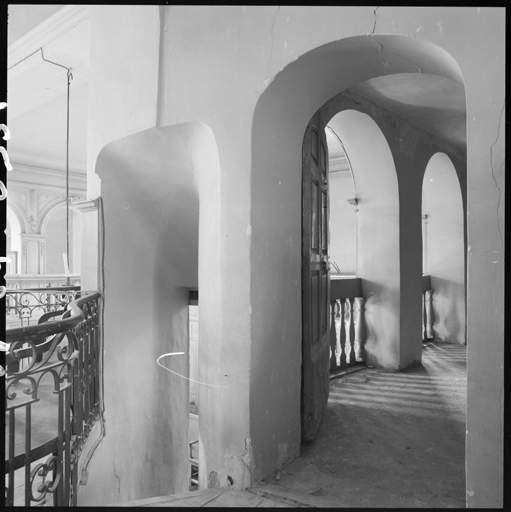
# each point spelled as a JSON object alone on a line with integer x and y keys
{"x": 388, "y": 440}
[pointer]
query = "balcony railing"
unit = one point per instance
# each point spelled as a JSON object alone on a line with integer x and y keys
{"x": 26, "y": 307}
{"x": 347, "y": 324}
{"x": 427, "y": 309}
{"x": 53, "y": 400}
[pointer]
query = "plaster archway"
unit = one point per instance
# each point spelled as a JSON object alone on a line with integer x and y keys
{"x": 443, "y": 246}
{"x": 280, "y": 117}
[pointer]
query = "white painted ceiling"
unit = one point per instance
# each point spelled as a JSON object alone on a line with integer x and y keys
{"x": 37, "y": 91}
{"x": 37, "y": 97}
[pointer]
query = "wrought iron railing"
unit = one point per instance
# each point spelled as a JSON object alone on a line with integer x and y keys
{"x": 26, "y": 307}
{"x": 346, "y": 324}
{"x": 52, "y": 402}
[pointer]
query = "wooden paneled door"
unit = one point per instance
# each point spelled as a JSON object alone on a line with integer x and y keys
{"x": 315, "y": 280}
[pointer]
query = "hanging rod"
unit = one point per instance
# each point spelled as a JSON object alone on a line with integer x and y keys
{"x": 69, "y": 78}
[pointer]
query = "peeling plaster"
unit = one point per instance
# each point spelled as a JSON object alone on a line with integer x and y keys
{"x": 248, "y": 455}
{"x": 213, "y": 480}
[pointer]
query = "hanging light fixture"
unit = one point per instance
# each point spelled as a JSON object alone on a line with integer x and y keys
{"x": 69, "y": 78}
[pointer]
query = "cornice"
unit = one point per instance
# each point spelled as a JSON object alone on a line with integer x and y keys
{"x": 48, "y": 30}
{"x": 86, "y": 206}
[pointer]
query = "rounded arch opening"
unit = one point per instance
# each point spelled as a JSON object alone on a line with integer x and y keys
{"x": 378, "y": 230}
{"x": 14, "y": 241}
{"x": 281, "y": 115}
{"x": 443, "y": 247}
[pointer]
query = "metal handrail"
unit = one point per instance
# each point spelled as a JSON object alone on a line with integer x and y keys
{"x": 68, "y": 350}
{"x": 71, "y": 318}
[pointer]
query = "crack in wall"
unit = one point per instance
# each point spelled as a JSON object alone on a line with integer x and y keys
{"x": 374, "y": 26}
{"x": 271, "y": 49}
{"x": 380, "y": 46}
{"x": 493, "y": 175}
{"x": 118, "y": 479}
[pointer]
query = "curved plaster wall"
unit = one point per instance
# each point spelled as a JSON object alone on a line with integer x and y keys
{"x": 150, "y": 191}
{"x": 443, "y": 243}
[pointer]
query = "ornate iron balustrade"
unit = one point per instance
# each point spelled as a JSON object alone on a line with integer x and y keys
{"x": 52, "y": 403}
{"x": 23, "y": 307}
{"x": 346, "y": 324}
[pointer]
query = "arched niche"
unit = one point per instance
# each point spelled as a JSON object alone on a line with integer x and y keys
{"x": 378, "y": 232}
{"x": 15, "y": 226}
{"x": 160, "y": 213}
{"x": 280, "y": 118}
{"x": 443, "y": 247}
{"x": 54, "y": 227}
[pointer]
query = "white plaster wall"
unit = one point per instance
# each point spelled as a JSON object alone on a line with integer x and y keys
{"x": 343, "y": 223}
{"x": 122, "y": 96}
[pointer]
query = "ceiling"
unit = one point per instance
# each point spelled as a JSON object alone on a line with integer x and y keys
{"x": 37, "y": 90}
{"x": 37, "y": 94}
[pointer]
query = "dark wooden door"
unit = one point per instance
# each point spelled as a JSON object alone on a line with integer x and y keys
{"x": 315, "y": 280}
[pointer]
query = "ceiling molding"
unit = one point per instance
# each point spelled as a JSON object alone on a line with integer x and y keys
{"x": 338, "y": 162}
{"x": 49, "y": 180}
{"x": 47, "y": 31}
{"x": 47, "y": 171}
{"x": 42, "y": 163}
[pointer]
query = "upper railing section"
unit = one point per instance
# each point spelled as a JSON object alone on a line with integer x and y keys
{"x": 32, "y": 305}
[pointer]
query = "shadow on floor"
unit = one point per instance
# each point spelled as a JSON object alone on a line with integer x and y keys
{"x": 390, "y": 439}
